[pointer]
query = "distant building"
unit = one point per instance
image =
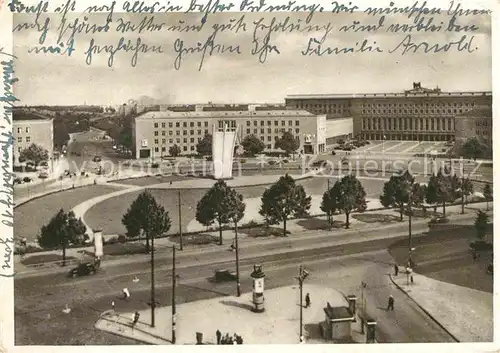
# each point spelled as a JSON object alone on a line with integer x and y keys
{"x": 155, "y": 132}
{"x": 418, "y": 114}
{"x": 38, "y": 131}
{"x": 475, "y": 123}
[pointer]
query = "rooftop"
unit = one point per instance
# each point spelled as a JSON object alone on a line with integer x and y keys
{"x": 224, "y": 114}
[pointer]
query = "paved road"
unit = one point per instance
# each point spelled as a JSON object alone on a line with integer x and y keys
{"x": 39, "y": 300}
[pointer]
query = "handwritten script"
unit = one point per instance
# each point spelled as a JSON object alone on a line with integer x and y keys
{"x": 134, "y": 31}
{"x": 7, "y": 100}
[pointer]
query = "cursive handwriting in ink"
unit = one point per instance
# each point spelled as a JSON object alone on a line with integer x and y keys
{"x": 407, "y": 45}
{"x": 7, "y": 100}
{"x": 123, "y": 45}
{"x": 209, "y": 47}
{"x": 315, "y": 47}
{"x": 59, "y": 50}
{"x": 209, "y": 7}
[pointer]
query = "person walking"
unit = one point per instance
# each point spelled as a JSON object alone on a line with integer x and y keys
{"x": 218, "y": 334}
{"x": 126, "y": 293}
{"x": 396, "y": 269}
{"x": 390, "y": 304}
{"x": 308, "y": 300}
{"x": 113, "y": 305}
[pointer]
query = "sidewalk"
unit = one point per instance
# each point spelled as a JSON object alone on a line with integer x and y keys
{"x": 278, "y": 324}
{"x": 465, "y": 313}
{"x": 298, "y": 233}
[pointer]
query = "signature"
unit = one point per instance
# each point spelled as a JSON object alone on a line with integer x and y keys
{"x": 408, "y": 45}
{"x": 7, "y": 100}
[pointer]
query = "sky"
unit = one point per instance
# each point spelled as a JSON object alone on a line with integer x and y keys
{"x": 53, "y": 79}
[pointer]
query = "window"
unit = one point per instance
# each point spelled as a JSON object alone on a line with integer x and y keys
{"x": 276, "y": 138}
{"x": 276, "y": 123}
{"x": 297, "y": 123}
{"x": 184, "y": 124}
{"x": 156, "y": 133}
{"x": 276, "y": 130}
{"x": 163, "y": 149}
{"x": 282, "y": 130}
{"x": 269, "y": 146}
{"x": 178, "y": 140}
{"x": 248, "y": 131}
{"x": 191, "y": 124}
{"x": 206, "y": 125}
{"x": 255, "y": 131}
{"x": 269, "y": 130}
{"x": 163, "y": 141}
{"x": 156, "y": 141}
{"x": 269, "y": 123}
{"x": 170, "y": 133}
{"x": 177, "y": 132}
{"x": 191, "y": 140}
{"x": 157, "y": 149}
{"x": 28, "y": 139}
{"x": 156, "y": 125}
{"x": 170, "y": 140}
{"x": 184, "y": 148}
{"x": 262, "y": 123}
{"x": 177, "y": 124}
{"x": 261, "y": 131}
{"x": 248, "y": 122}
{"x": 185, "y": 140}
{"x": 290, "y": 130}
{"x": 163, "y": 125}
{"x": 192, "y": 148}
{"x": 269, "y": 138}
{"x": 19, "y": 130}
{"x": 184, "y": 132}
{"x": 27, "y": 130}
{"x": 191, "y": 132}
{"x": 206, "y": 131}
{"x": 199, "y": 124}
{"x": 283, "y": 122}
{"x": 199, "y": 132}
{"x": 170, "y": 124}
{"x": 290, "y": 123}
{"x": 262, "y": 138}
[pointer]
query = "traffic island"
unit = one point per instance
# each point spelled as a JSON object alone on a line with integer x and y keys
{"x": 278, "y": 324}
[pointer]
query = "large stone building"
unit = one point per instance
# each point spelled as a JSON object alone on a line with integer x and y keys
{"x": 38, "y": 131}
{"x": 419, "y": 114}
{"x": 155, "y": 132}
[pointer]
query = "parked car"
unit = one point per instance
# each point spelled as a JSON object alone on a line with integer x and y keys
{"x": 18, "y": 181}
{"x": 155, "y": 165}
{"x": 97, "y": 159}
{"x": 338, "y": 147}
{"x": 439, "y": 220}
{"x": 27, "y": 180}
{"x": 44, "y": 164}
{"x": 43, "y": 175}
{"x": 334, "y": 153}
{"x": 347, "y": 148}
{"x": 224, "y": 275}
{"x": 83, "y": 269}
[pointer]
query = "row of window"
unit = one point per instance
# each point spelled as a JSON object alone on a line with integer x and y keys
{"x": 276, "y": 123}
{"x": 178, "y": 132}
{"x": 20, "y": 139}
{"x": 192, "y": 140}
{"x": 192, "y": 148}
{"x": 20, "y": 130}
{"x": 178, "y": 124}
{"x": 269, "y": 131}
{"x": 412, "y": 111}
{"x": 483, "y": 123}
{"x": 407, "y": 124}
{"x": 413, "y": 105}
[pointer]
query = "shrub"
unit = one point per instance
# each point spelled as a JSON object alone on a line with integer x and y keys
{"x": 122, "y": 238}
{"x": 243, "y": 160}
{"x": 272, "y": 162}
{"x": 111, "y": 240}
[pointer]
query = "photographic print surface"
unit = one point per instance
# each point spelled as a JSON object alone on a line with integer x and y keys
{"x": 249, "y": 173}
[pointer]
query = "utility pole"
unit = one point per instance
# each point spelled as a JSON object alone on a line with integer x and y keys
{"x": 363, "y": 306}
{"x": 463, "y": 187}
{"x": 153, "y": 301}
{"x": 329, "y": 216}
{"x": 238, "y": 289}
{"x": 174, "y": 282}
{"x": 410, "y": 200}
{"x": 180, "y": 218}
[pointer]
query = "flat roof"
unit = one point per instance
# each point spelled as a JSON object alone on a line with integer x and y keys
{"x": 339, "y": 312}
{"x": 226, "y": 114}
{"x": 387, "y": 95}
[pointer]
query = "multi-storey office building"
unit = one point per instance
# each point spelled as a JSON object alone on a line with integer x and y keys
{"x": 155, "y": 132}
{"x": 419, "y": 114}
{"x": 33, "y": 131}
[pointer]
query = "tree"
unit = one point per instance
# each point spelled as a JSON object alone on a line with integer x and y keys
{"x": 481, "y": 224}
{"x": 125, "y": 138}
{"x": 61, "y": 134}
{"x": 396, "y": 191}
{"x": 146, "y": 216}
{"x": 473, "y": 148}
{"x": 221, "y": 204}
{"x": 284, "y": 199}
{"x": 488, "y": 194}
{"x": 287, "y": 143}
{"x": 253, "y": 145}
{"x": 467, "y": 188}
{"x": 350, "y": 196}
{"x": 174, "y": 150}
{"x": 329, "y": 202}
{"x": 204, "y": 146}
{"x": 62, "y": 230}
{"x": 34, "y": 153}
{"x": 442, "y": 188}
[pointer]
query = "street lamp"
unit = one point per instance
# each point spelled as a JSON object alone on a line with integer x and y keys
{"x": 302, "y": 276}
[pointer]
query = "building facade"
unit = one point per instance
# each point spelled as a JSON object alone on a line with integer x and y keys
{"x": 419, "y": 114}
{"x": 33, "y": 131}
{"x": 155, "y": 132}
{"x": 475, "y": 123}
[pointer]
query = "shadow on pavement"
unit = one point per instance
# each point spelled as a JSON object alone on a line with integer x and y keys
{"x": 317, "y": 224}
{"x": 313, "y": 331}
{"x": 248, "y": 307}
{"x": 376, "y": 218}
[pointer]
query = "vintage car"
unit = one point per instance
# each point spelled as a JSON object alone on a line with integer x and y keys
{"x": 84, "y": 269}
{"x": 224, "y": 275}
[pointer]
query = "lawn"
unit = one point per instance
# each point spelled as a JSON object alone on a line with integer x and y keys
{"x": 31, "y": 216}
{"x": 107, "y": 214}
{"x": 44, "y": 258}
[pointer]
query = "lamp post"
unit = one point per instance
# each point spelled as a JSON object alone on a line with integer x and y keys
{"x": 363, "y": 306}
{"x": 302, "y": 276}
{"x": 174, "y": 283}
{"x": 238, "y": 289}
{"x": 180, "y": 219}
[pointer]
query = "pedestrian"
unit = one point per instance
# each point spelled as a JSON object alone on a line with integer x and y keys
{"x": 113, "y": 305}
{"x": 308, "y": 300}
{"x": 136, "y": 319}
{"x": 126, "y": 293}
{"x": 218, "y": 334}
{"x": 474, "y": 255}
{"x": 390, "y": 304}
{"x": 396, "y": 269}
